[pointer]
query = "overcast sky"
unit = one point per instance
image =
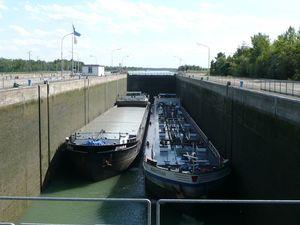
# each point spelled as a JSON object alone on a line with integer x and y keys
{"x": 150, "y": 32}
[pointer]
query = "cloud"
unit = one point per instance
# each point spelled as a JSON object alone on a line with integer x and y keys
{"x": 61, "y": 12}
{"x": 2, "y": 5}
{"x": 34, "y": 34}
{"x": 122, "y": 17}
{"x": 143, "y": 28}
{"x": 20, "y": 30}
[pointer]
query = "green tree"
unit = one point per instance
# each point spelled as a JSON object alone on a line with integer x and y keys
{"x": 220, "y": 66}
{"x": 240, "y": 62}
{"x": 259, "y": 55}
{"x": 263, "y": 59}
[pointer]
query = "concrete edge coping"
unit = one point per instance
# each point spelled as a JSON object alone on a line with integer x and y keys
{"x": 30, "y": 93}
{"x": 275, "y": 99}
{"x": 269, "y": 94}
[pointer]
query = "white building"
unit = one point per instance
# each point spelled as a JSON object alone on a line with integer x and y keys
{"x": 92, "y": 70}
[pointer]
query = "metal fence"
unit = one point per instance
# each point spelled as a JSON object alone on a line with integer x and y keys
{"x": 220, "y": 201}
{"x": 147, "y": 202}
{"x": 26, "y": 79}
{"x": 281, "y": 86}
{"x": 160, "y": 202}
{"x": 8, "y": 82}
{"x": 285, "y": 87}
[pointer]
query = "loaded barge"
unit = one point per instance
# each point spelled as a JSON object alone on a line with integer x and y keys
{"x": 179, "y": 159}
{"x": 110, "y": 143}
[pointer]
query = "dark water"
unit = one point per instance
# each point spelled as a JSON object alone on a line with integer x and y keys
{"x": 129, "y": 184}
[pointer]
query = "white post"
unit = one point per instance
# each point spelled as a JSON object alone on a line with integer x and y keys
{"x": 112, "y": 55}
{"x": 61, "y": 52}
{"x": 126, "y": 56}
{"x": 208, "y": 51}
{"x": 95, "y": 58}
{"x": 179, "y": 60}
{"x": 208, "y": 66}
{"x": 29, "y": 60}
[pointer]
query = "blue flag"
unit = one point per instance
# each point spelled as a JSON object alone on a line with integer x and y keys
{"x": 75, "y": 32}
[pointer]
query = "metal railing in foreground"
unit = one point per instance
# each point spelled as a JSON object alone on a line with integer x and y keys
{"x": 220, "y": 201}
{"x": 135, "y": 200}
{"x": 158, "y": 203}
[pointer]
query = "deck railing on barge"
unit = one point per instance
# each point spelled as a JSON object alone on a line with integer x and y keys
{"x": 85, "y": 135}
{"x": 210, "y": 145}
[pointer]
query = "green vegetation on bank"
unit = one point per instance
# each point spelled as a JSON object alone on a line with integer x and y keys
{"x": 20, "y": 65}
{"x": 192, "y": 68}
{"x": 278, "y": 59}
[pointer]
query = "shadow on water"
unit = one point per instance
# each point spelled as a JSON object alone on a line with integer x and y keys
{"x": 129, "y": 185}
{"x": 62, "y": 175}
{"x": 64, "y": 181}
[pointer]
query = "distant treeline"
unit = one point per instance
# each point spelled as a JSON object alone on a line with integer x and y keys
{"x": 191, "y": 68}
{"x": 20, "y": 65}
{"x": 279, "y": 59}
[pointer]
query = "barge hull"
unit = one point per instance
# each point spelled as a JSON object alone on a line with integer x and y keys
{"x": 98, "y": 164}
{"x": 173, "y": 187}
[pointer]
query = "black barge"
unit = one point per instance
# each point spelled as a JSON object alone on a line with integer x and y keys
{"x": 110, "y": 143}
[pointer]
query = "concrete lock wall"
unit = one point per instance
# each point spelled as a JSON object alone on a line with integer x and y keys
{"x": 33, "y": 124}
{"x": 260, "y": 134}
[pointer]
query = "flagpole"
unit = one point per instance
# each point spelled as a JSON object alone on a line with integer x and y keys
{"x": 74, "y": 33}
{"x": 72, "y": 71}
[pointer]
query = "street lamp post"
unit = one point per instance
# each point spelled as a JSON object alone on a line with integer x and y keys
{"x": 179, "y": 59}
{"x": 29, "y": 53}
{"x": 37, "y": 61}
{"x": 208, "y": 48}
{"x": 78, "y": 65}
{"x": 112, "y": 55}
{"x": 95, "y": 58}
{"x": 77, "y": 54}
{"x": 126, "y": 56}
{"x": 61, "y": 51}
